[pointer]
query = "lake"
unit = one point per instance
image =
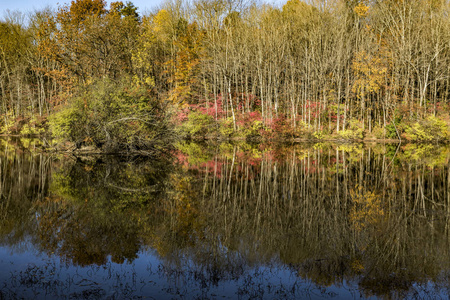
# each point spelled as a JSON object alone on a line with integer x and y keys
{"x": 226, "y": 221}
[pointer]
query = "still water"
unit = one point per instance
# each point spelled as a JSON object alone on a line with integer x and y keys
{"x": 308, "y": 221}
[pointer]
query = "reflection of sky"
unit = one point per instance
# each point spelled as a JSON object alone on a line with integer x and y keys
{"x": 27, "y": 272}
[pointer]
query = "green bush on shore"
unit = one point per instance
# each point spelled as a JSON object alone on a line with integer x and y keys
{"x": 427, "y": 130}
{"x": 354, "y": 131}
{"x": 198, "y": 125}
{"x": 114, "y": 116}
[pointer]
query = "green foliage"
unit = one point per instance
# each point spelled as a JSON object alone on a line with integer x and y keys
{"x": 425, "y": 154}
{"x": 113, "y": 116}
{"x": 65, "y": 124}
{"x": 353, "y": 132}
{"x": 391, "y": 133}
{"x": 226, "y": 127}
{"x": 378, "y": 132}
{"x": 253, "y": 129}
{"x": 196, "y": 153}
{"x": 320, "y": 135}
{"x": 427, "y": 130}
{"x": 391, "y": 150}
{"x": 198, "y": 125}
{"x": 28, "y": 129}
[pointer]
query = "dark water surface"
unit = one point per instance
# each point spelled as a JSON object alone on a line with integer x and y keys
{"x": 333, "y": 221}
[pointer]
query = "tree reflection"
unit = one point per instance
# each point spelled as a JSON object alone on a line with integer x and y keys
{"x": 333, "y": 212}
{"x": 23, "y": 180}
{"x": 377, "y": 214}
{"x": 97, "y": 209}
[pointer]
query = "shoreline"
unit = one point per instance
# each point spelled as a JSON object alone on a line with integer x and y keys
{"x": 70, "y": 147}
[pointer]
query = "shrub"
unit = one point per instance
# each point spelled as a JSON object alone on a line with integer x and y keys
{"x": 391, "y": 133}
{"x": 378, "y": 132}
{"x": 14, "y": 124}
{"x": 319, "y": 135}
{"x": 65, "y": 124}
{"x": 427, "y": 130}
{"x": 226, "y": 127}
{"x": 112, "y": 115}
{"x": 282, "y": 127}
{"x": 29, "y": 129}
{"x": 251, "y": 124}
{"x": 198, "y": 125}
{"x": 353, "y": 132}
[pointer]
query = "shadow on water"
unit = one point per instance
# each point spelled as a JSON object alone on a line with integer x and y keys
{"x": 227, "y": 221}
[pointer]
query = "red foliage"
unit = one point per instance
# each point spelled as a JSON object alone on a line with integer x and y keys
{"x": 246, "y": 120}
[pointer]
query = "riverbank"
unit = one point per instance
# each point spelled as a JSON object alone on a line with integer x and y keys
{"x": 55, "y": 134}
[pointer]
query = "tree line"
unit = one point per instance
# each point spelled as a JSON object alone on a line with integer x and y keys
{"x": 313, "y": 68}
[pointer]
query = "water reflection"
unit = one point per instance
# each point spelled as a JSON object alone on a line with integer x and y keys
{"x": 323, "y": 220}
{"x": 375, "y": 214}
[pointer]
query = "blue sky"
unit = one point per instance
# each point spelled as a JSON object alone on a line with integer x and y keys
{"x": 30, "y": 5}
{"x": 26, "y": 6}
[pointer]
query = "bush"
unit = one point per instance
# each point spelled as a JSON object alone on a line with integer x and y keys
{"x": 226, "y": 127}
{"x": 198, "y": 125}
{"x": 29, "y": 129}
{"x": 427, "y": 130}
{"x": 391, "y": 133}
{"x": 378, "y": 132}
{"x": 319, "y": 135}
{"x": 251, "y": 125}
{"x": 67, "y": 123}
{"x": 282, "y": 127}
{"x": 353, "y": 132}
{"x": 113, "y": 116}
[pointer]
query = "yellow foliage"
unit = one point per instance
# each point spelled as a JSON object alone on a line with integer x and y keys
{"x": 370, "y": 71}
{"x": 350, "y": 148}
{"x": 357, "y": 266}
{"x": 187, "y": 218}
{"x": 361, "y": 10}
{"x": 162, "y": 23}
{"x": 184, "y": 65}
{"x": 367, "y": 209}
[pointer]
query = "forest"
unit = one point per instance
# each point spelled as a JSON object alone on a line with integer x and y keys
{"x": 88, "y": 73}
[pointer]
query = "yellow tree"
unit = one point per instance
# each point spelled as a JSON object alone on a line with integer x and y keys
{"x": 71, "y": 36}
{"x": 168, "y": 56}
{"x": 91, "y": 41}
{"x": 185, "y": 63}
{"x": 369, "y": 71}
{"x": 47, "y": 66}
{"x": 154, "y": 48}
